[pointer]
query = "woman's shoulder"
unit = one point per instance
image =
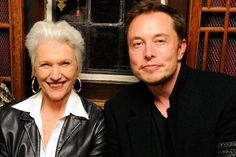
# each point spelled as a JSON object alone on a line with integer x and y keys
{"x": 7, "y": 112}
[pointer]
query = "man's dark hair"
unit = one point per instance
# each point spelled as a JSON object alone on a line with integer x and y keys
{"x": 148, "y": 6}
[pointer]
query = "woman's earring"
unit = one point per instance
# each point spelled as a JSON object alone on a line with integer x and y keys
{"x": 80, "y": 86}
{"x": 32, "y": 86}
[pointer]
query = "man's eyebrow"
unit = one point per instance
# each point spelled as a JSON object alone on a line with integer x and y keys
{"x": 155, "y": 36}
{"x": 135, "y": 37}
{"x": 161, "y": 34}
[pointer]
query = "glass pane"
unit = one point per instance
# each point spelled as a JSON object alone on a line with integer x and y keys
{"x": 128, "y": 5}
{"x": 104, "y": 48}
{"x": 123, "y": 61}
{"x": 71, "y": 11}
{"x": 101, "y": 23}
{"x": 105, "y": 11}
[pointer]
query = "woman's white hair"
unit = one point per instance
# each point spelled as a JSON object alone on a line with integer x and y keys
{"x": 59, "y": 31}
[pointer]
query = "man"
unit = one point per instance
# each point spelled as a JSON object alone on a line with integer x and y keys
{"x": 174, "y": 111}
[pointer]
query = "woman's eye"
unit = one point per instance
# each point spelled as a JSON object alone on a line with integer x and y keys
{"x": 65, "y": 64}
{"x": 44, "y": 65}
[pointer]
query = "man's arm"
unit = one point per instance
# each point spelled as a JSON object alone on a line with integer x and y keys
{"x": 226, "y": 146}
{"x": 114, "y": 148}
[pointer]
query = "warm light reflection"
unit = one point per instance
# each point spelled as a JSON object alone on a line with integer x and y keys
{"x": 61, "y": 4}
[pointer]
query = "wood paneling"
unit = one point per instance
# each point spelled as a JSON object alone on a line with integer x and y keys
{"x": 212, "y": 36}
{"x": 15, "y": 27}
{"x": 99, "y": 92}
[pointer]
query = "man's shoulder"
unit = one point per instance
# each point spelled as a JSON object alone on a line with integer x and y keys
{"x": 210, "y": 82}
{"x": 208, "y": 77}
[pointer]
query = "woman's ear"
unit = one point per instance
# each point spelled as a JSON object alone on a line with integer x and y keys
{"x": 33, "y": 72}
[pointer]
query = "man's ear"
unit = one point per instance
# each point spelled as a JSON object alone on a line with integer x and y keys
{"x": 182, "y": 49}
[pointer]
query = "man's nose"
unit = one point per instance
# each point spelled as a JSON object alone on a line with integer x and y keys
{"x": 149, "y": 51}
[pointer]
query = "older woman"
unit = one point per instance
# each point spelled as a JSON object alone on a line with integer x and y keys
{"x": 55, "y": 121}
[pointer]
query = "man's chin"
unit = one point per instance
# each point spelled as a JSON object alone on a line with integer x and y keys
{"x": 157, "y": 82}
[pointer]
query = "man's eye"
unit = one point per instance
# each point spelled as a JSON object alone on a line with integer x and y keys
{"x": 137, "y": 44}
{"x": 160, "y": 42}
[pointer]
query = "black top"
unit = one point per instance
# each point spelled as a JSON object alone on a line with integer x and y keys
{"x": 201, "y": 117}
{"x": 161, "y": 141}
{"x": 80, "y": 137}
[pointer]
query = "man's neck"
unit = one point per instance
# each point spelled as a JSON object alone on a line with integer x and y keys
{"x": 162, "y": 92}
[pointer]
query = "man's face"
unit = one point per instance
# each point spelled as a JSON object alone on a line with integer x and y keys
{"x": 154, "y": 49}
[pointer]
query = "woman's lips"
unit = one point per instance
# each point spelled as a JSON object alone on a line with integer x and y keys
{"x": 56, "y": 86}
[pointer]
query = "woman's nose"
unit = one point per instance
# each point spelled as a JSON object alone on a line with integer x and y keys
{"x": 55, "y": 73}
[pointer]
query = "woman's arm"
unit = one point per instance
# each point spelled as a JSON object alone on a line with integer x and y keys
{"x": 99, "y": 148}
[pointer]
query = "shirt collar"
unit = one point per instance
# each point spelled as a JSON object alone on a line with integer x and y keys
{"x": 75, "y": 106}
{"x": 33, "y": 105}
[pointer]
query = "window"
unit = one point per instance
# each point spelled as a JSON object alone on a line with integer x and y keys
{"x": 102, "y": 25}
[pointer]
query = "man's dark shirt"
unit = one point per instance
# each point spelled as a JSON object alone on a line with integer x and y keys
{"x": 162, "y": 143}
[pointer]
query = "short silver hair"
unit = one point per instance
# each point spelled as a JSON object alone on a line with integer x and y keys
{"x": 59, "y": 31}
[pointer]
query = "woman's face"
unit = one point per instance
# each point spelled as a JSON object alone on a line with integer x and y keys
{"x": 55, "y": 69}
